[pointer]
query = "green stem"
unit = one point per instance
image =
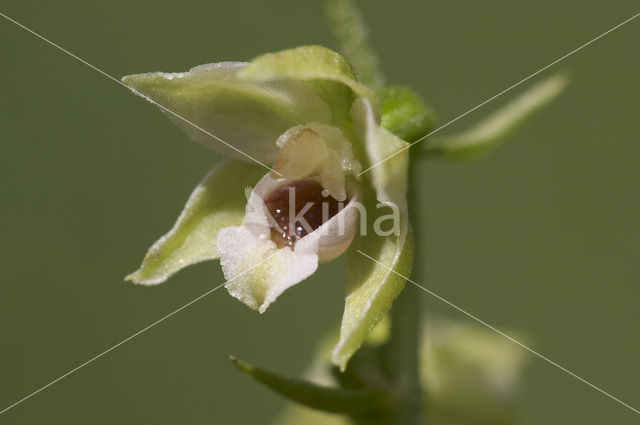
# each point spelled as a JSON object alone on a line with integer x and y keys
{"x": 403, "y": 360}
{"x": 351, "y": 33}
{"x": 404, "y": 342}
{"x": 401, "y": 354}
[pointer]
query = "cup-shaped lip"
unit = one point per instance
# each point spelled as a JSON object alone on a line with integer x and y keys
{"x": 333, "y": 237}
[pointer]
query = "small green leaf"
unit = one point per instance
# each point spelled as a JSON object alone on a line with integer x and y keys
{"x": 327, "y": 72}
{"x": 217, "y": 202}
{"x": 218, "y": 110}
{"x": 336, "y": 400}
{"x": 470, "y": 375}
{"x": 320, "y": 372}
{"x": 404, "y": 114}
{"x": 488, "y": 133}
{"x": 372, "y": 287}
{"x": 366, "y": 369}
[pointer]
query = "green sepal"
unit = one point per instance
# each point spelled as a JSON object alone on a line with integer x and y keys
{"x": 490, "y": 132}
{"x": 336, "y": 400}
{"x": 370, "y": 287}
{"x": 240, "y": 109}
{"x": 326, "y": 71}
{"x": 239, "y": 118}
{"x": 218, "y": 201}
{"x": 403, "y": 113}
{"x": 376, "y": 263}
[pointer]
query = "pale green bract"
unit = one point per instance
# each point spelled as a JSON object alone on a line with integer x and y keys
{"x": 485, "y": 135}
{"x": 250, "y": 106}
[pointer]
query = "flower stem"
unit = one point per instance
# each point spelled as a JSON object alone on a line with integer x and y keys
{"x": 404, "y": 342}
{"x": 403, "y": 358}
{"x": 352, "y": 36}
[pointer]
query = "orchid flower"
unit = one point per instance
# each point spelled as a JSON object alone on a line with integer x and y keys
{"x": 296, "y": 123}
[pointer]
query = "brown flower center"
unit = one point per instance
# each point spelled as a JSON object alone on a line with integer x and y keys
{"x": 311, "y": 209}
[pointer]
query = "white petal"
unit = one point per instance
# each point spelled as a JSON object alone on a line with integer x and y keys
{"x": 337, "y": 233}
{"x": 257, "y": 271}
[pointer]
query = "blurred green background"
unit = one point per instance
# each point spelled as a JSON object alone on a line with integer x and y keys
{"x": 540, "y": 237}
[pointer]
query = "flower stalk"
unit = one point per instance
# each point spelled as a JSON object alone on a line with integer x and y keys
{"x": 351, "y": 33}
{"x": 404, "y": 338}
{"x": 402, "y": 360}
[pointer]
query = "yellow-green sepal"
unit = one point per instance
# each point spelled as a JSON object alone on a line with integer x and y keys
{"x": 239, "y": 118}
{"x": 375, "y": 269}
{"x": 218, "y": 201}
{"x": 327, "y": 72}
{"x": 379, "y": 260}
